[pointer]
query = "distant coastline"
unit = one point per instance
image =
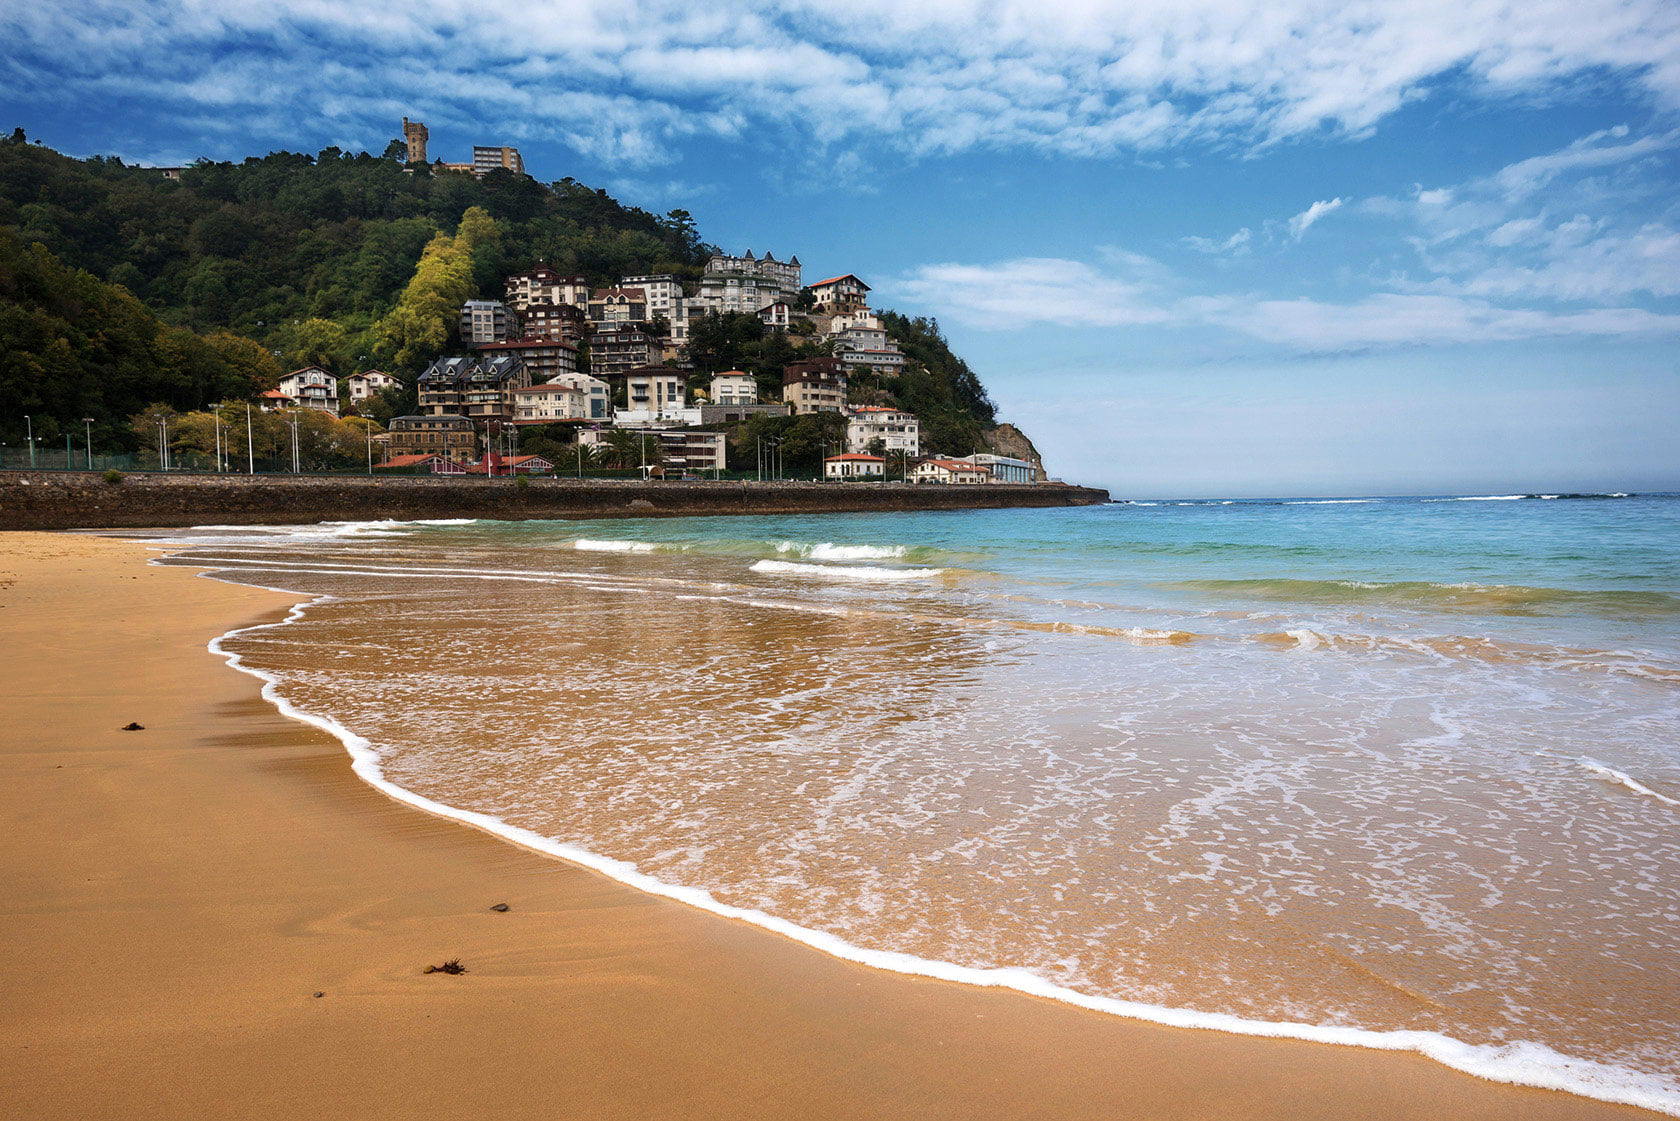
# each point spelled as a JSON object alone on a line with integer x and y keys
{"x": 84, "y": 500}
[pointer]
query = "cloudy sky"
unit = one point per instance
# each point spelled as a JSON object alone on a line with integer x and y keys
{"x": 1195, "y": 247}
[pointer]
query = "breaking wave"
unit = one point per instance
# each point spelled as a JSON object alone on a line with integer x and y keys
{"x": 846, "y": 571}
{"x": 1492, "y": 599}
{"x": 585, "y": 545}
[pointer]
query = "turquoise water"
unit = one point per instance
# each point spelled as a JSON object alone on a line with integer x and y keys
{"x": 1293, "y": 767}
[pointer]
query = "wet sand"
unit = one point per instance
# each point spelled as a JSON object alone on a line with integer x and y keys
{"x": 174, "y": 898}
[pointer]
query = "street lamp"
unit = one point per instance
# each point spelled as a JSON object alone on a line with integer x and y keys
{"x": 29, "y": 435}
{"x": 294, "y": 423}
{"x": 87, "y": 421}
{"x": 163, "y": 442}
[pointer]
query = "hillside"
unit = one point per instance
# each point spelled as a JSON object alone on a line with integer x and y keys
{"x": 342, "y": 259}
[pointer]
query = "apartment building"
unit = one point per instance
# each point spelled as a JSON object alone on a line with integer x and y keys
{"x": 684, "y": 449}
{"x": 488, "y": 321}
{"x": 545, "y": 359}
{"x": 444, "y": 434}
{"x": 734, "y": 387}
{"x": 781, "y": 274}
{"x": 653, "y": 393}
{"x": 817, "y": 385}
{"x": 543, "y": 283}
{"x": 614, "y": 352}
{"x": 617, "y": 307}
{"x": 488, "y": 158}
{"x": 662, "y": 292}
{"x": 897, "y": 430}
{"x": 479, "y": 388}
{"x": 837, "y": 294}
{"x": 368, "y": 383}
{"x": 545, "y": 319}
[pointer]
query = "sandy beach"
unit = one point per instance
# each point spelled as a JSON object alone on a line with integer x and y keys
{"x": 213, "y": 917}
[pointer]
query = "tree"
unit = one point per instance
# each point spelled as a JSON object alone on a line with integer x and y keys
{"x": 311, "y": 342}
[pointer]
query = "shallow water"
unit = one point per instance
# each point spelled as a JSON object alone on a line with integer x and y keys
{"x": 1404, "y": 764}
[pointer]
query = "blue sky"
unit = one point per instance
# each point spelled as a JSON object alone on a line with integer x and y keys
{"x": 1193, "y": 248}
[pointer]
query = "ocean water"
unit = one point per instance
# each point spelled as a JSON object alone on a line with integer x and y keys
{"x": 1398, "y": 773}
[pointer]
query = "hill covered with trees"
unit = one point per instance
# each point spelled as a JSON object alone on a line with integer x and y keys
{"x": 120, "y": 288}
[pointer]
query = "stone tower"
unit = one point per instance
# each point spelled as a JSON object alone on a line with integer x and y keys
{"x": 415, "y": 133}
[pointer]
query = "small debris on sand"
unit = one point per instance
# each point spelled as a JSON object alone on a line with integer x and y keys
{"x": 498, "y": 906}
{"x": 452, "y": 967}
{"x": 131, "y": 726}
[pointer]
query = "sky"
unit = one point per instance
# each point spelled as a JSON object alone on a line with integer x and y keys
{"x": 1192, "y": 247}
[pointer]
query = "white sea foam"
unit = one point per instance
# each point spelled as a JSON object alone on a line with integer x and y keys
{"x": 585, "y": 545}
{"x": 1481, "y": 498}
{"x": 1611, "y": 774}
{"x": 1329, "y": 501}
{"x": 1306, "y": 639}
{"x": 829, "y": 551}
{"x": 845, "y": 571}
{"x": 1520, "y": 1063}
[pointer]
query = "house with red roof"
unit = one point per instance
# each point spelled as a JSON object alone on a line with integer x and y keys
{"x": 854, "y": 465}
{"x": 839, "y": 294}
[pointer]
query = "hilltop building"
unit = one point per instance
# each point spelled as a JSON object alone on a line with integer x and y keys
{"x": 733, "y": 387}
{"x": 488, "y": 321}
{"x": 782, "y": 274}
{"x": 662, "y": 292}
{"x": 488, "y": 159}
{"x": 415, "y": 136}
{"x": 547, "y": 320}
{"x": 618, "y": 306}
{"x": 543, "y": 283}
{"x": 837, "y": 294}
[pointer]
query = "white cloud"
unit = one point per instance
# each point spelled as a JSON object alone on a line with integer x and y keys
{"x": 1139, "y": 292}
{"x": 1300, "y": 223}
{"x": 624, "y": 80}
{"x": 1236, "y": 243}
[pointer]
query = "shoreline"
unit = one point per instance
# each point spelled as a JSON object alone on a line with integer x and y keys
{"x": 685, "y": 1012}
{"x": 49, "y": 500}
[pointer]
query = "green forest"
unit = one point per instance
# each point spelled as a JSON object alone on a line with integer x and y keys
{"x": 121, "y": 289}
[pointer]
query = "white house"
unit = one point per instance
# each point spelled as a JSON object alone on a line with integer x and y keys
{"x": 543, "y": 285}
{"x": 596, "y": 394}
{"x": 733, "y": 387}
{"x": 311, "y": 388}
{"x": 367, "y": 383}
{"x": 854, "y": 466}
{"x": 663, "y": 294}
{"x": 684, "y": 449}
{"x": 548, "y": 404}
{"x": 653, "y": 393}
{"x": 897, "y": 430}
{"x": 840, "y": 294}
{"x": 949, "y": 471}
{"x": 778, "y": 314}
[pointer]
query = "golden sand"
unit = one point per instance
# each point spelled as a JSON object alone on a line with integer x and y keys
{"x": 175, "y": 899}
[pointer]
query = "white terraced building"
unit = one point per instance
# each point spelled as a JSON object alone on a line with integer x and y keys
{"x": 897, "y": 430}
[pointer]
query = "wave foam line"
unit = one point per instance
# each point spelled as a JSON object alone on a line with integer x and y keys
{"x": 1621, "y": 778}
{"x": 846, "y": 571}
{"x": 1518, "y": 1064}
{"x": 585, "y": 545}
{"x": 829, "y": 551}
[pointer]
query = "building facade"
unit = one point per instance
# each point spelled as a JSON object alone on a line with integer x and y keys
{"x": 653, "y": 393}
{"x": 444, "y": 434}
{"x": 784, "y": 275}
{"x": 488, "y": 321}
{"x": 478, "y": 388}
{"x": 686, "y": 449}
{"x": 949, "y": 471}
{"x": 415, "y": 137}
{"x": 618, "y": 307}
{"x": 662, "y": 292}
{"x": 487, "y": 158}
{"x": 616, "y": 351}
{"x": 367, "y": 383}
{"x": 545, "y": 359}
{"x": 543, "y": 283}
{"x": 854, "y": 465}
{"x": 311, "y": 388}
{"x": 734, "y": 387}
{"x": 897, "y": 430}
{"x": 1004, "y": 469}
{"x": 817, "y": 385}
{"x": 845, "y": 293}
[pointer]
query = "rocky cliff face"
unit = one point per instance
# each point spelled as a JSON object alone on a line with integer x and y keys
{"x": 1008, "y": 440}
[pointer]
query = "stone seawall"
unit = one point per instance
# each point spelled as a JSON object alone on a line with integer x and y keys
{"x": 84, "y": 500}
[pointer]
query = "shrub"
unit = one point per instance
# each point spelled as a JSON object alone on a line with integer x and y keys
{"x": 522, "y": 481}
{"x": 113, "y": 476}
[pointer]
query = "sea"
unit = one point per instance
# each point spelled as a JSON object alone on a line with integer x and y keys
{"x": 1399, "y": 773}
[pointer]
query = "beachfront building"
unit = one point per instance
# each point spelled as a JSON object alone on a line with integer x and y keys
{"x": 1003, "y": 468}
{"x": 892, "y": 430}
{"x": 949, "y": 471}
{"x": 443, "y": 434}
{"x": 495, "y": 464}
{"x": 543, "y": 285}
{"x": 686, "y": 449}
{"x": 854, "y": 465}
{"x": 817, "y": 385}
{"x": 368, "y": 383}
{"x": 616, "y": 351}
{"x": 487, "y": 321}
{"x": 545, "y": 359}
{"x": 616, "y": 307}
{"x": 479, "y": 388}
{"x": 734, "y": 387}
{"x": 311, "y": 388}
{"x": 653, "y": 393}
{"x": 837, "y": 294}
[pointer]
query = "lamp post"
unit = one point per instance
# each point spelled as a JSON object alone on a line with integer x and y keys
{"x": 87, "y": 422}
{"x": 163, "y": 442}
{"x": 369, "y": 431}
{"x": 294, "y": 423}
{"x": 29, "y": 436}
{"x": 216, "y": 419}
{"x": 250, "y": 444}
